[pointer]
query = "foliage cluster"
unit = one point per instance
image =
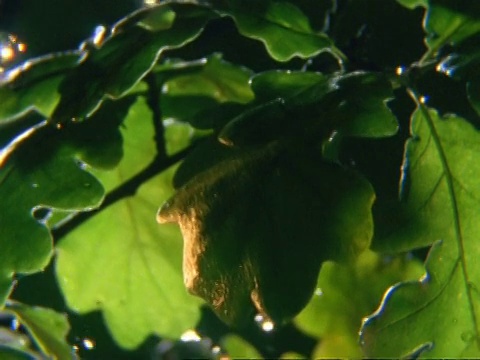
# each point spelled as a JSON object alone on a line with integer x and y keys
{"x": 311, "y": 154}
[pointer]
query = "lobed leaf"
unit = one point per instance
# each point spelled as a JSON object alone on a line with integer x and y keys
{"x": 127, "y": 55}
{"x": 238, "y": 217}
{"x": 439, "y": 203}
{"x": 130, "y": 271}
{"x": 45, "y": 170}
{"x": 281, "y": 26}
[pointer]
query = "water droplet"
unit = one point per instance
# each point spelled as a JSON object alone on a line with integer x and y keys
{"x": 423, "y": 99}
{"x": 15, "y": 324}
{"x": 35, "y": 185}
{"x": 400, "y": 70}
{"x": 467, "y": 336}
{"x": 318, "y": 292}
{"x": 59, "y": 126}
{"x": 216, "y": 350}
{"x": 264, "y": 322}
{"x": 88, "y": 344}
{"x": 190, "y": 335}
{"x": 425, "y": 278}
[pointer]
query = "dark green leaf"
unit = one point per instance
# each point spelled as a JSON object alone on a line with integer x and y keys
{"x": 312, "y": 106}
{"x": 8, "y": 353}
{"x": 125, "y": 57}
{"x": 33, "y": 85}
{"x": 282, "y": 27}
{"x": 473, "y": 92}
{"x": 450, "y": 23}
{"x": 45, "y": 171}
{"x": 134, "y": 272}
{"x": 264, "y": 198}
{"x": 47, "y": 327}
{"x": 439, "y": 202}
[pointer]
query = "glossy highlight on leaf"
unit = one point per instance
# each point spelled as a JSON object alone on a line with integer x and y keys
{"x": 239, "y": 216}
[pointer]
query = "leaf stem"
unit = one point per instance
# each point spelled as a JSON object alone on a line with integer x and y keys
{"x": 456, "y": 214}
{"x": 124, "y": 190}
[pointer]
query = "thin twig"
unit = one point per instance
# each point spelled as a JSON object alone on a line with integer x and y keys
{"x": 153, "y": 101}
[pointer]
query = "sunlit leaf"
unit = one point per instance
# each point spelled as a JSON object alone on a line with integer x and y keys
{"x": 125, "y": 57}
{"x": 47, "y": 327}
{"x": 33, "y": 85}
{"x": 412, "y": 4}
{"x": 238, "y": 348}
{"x": 134, "y": 267}
{"x": 264, "y": 198}
{"x": 281, "y": 26}
{"x": 333, "y": 317}
{"x": 439, "y": 203}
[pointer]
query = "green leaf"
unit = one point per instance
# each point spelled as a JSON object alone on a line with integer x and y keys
{"x": 450, "y": 23}
{"x": 412, "y": 4}
{"x": 6, "y": 287}
{"x": 33, "y": 85}
{"x": 125, "y": 57}
{"x": 134, "y": 267}
{"x": 218, "y": 80}
{"x": 333, "y": 317}
{"x": 282, "y": 27}
{"x": 203, "y": 96}
{"x": 46, "y": 171}
{"x": 265, "y": 197}
{"x": 440, "y": 202}
{"x": 238, "y": 348}
{"x": 8, "y": 353}
{"x": 47, "y": 327}
{"x": 313, "y": 106}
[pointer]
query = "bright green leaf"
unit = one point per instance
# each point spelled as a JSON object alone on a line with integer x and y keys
{"x": 134, "y": 267}
{"x": 333, "y": 317}
{"x": 47, "y": 327}
{"x": 33, "y": 85}
{"x": 282, "y": 27}
{"x": 238, "y": 348}
{"x": 244, "y": 266}
{"x": 439, "y": 202}
{"x": 412, "y": 4}
{"x": 125, "y": 57}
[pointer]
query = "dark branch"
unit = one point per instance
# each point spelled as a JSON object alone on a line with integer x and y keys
{"x": 128, "y": 188}
{"x": 153, "y": 101}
